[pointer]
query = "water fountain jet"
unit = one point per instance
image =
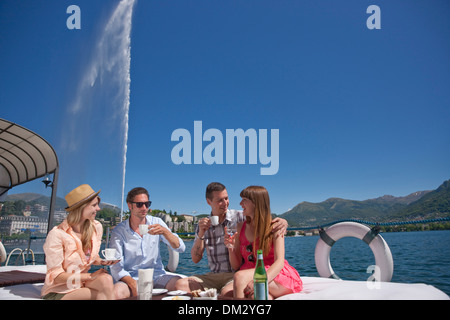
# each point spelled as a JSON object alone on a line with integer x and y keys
{"x": 100, "y": 109}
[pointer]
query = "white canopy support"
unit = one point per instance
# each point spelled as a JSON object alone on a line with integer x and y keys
{"x": 26, "y": 156}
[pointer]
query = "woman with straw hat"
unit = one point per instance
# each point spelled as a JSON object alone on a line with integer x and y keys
{"x": 72, "y": 247}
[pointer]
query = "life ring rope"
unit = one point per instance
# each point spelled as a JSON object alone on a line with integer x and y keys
{"x": 326, "y": 238}
{"x": 370, "y": 235}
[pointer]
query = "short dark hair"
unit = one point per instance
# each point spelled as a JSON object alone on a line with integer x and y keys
{"x": 213, "y": 186}
{"x": 136, "y": 191}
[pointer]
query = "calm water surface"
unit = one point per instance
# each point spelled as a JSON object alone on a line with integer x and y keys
{"x": 419, "y": 257}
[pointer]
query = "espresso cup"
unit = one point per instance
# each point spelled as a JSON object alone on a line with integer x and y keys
{"x": 214, "y": 220}
{"x": 109, "y": 253}
{"x": 143, "y": 229}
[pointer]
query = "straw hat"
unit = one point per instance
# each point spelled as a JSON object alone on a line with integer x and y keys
{"x": 79, "y": 196}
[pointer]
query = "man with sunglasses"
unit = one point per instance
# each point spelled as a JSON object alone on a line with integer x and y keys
{"x": 137, "y": 251}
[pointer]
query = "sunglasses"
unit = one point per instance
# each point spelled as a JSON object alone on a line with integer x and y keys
{"x": 251, "y": 257}
{"x": 140, "y": 204}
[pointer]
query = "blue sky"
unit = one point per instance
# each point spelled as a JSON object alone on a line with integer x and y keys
{"x": 361, "y": 113}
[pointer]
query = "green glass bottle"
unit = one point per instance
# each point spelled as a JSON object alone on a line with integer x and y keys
{"x": 260, "y": 285}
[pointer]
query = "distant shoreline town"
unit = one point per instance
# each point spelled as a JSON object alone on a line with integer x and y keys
{"x": 26, "y": 213}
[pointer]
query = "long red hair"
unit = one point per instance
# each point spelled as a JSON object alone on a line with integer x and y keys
{"x": 262, "y": 217}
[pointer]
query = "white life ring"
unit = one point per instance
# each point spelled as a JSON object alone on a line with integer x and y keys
{"x": 380, "y": 249}
{"x": 174, "y": 257}
{"x": 3, "y": 255}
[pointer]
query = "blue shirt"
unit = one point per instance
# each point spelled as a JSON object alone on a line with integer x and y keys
{"x": 137, "y": 252}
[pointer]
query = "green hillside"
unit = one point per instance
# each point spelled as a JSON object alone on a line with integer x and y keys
{"x": 16, "y": 203}
{"x": 435, "y": 204}
{"x": 418, "y": 205}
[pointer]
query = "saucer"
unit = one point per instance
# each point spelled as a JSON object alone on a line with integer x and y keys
{"x": 110, "y": 260}
{"x": 158, "y": 291}
{"x": 177, "y": 298}
{"x": 176, "y": 293}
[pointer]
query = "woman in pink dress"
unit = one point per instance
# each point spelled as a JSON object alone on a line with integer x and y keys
{"x": 253, "y": 234}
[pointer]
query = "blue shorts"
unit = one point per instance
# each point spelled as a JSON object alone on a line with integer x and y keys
{"x": 161, "y": 281}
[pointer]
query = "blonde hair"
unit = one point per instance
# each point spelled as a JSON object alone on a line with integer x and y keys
{"x": 87, "y": 229}
{"x": 259, "y": 196}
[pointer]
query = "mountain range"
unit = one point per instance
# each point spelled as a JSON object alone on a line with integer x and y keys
{"x": 36, "y": 198}
{"x": 416, "y": 206}
{"x": 60, "y": 203}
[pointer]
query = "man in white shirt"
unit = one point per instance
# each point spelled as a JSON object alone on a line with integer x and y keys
{"x": 138, "y": 251}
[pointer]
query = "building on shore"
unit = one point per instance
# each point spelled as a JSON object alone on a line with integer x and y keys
{"x": 10, "y": 225}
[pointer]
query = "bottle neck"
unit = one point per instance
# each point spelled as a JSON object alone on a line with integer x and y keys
{"x": 259, "y": 255}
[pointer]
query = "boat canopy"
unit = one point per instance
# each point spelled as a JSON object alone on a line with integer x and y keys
{"x": 25, "y": 156}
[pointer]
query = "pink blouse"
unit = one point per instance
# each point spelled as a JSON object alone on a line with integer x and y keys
{"x": 64, "y": 253}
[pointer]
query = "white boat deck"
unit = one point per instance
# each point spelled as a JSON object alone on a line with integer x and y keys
{"x": 29, "y": 291}
{"x": 314, "y": 288}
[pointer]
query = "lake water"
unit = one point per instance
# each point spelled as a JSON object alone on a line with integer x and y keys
{"x": 419, "y": 257}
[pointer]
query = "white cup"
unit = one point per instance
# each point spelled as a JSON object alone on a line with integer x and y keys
{"x": 214, "y": 220}
{"x": 109, "y": 254}
{"x": 143, "y": 229}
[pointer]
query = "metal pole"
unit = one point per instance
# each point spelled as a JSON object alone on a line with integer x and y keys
{"x": 107, "y": 238}
{"x": 53, "y": 199}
